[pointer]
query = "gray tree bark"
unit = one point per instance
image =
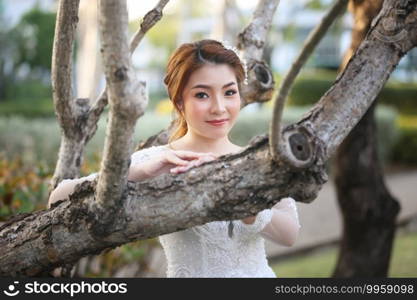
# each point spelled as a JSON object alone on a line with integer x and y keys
{"x": 231, "y": 187}
{"x": 78, "y": 118}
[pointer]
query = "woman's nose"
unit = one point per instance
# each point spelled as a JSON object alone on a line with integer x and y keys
{"x": 218, "y": 105}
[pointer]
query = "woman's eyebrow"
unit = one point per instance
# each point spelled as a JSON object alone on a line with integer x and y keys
{"x": 204, "y": 86}
{"x": 229, "y": 84}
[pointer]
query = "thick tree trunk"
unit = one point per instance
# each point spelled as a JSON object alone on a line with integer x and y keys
{"x": 369, "y": 211}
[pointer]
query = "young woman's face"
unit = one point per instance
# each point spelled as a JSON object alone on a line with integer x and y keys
{"x": 211, "y": 94}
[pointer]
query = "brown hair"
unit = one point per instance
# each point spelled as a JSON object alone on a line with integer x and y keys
{"x": 184, "y": 61}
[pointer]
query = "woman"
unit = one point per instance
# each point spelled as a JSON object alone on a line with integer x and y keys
{"x": 203, "y": 81}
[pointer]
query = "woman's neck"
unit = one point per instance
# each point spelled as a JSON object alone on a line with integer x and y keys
{"x": 196, "y": 143}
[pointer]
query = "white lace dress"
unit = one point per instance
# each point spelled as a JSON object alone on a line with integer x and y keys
{"x": 207, "y": 250}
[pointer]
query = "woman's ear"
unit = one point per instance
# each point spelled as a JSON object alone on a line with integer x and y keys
{"x": 181, "y": 106}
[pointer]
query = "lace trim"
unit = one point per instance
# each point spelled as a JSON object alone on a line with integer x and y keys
{"x": 145, "y": 154}
{"x": 262, "y": 219}
{"x": 135, "y": 158}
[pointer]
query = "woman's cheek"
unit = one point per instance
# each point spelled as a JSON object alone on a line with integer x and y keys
{"x": 235, "y": 109}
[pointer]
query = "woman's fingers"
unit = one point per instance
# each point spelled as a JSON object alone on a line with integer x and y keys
{"x": 191, "y": 164}
{"x": 172, "y": 158}
{"x": 190, "y": 155}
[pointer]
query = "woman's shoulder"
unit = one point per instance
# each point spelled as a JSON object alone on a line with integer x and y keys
{"x": 236, "y": 149}
{"x": 146, "y": 153}
{"x": 152, "y": 149}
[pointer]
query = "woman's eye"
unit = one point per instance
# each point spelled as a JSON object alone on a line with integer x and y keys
{"x": 230, "y": 92}
{"x": 201, "y": 95}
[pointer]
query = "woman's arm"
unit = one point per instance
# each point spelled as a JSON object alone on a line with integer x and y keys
{"x": 284, "y": 226}
{"x": 137, "y": 172}
{"x": 65, "y": 188}
{"x": 145, "y": 164}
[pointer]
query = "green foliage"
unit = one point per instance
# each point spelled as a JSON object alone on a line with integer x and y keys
{"x": 28, "y": 108}
{"x": 316, "y": 5}
{"x": 405, "y": 149}
{"x": 25, "y": 51}
{"x": 164, "y": 35}
{"x": 402, "y": 96}
{"x": 23, "y": 188}
{"x": 37, "y": 140}
{"x": 34, "y": 39}
{"x": 309, "y": 89}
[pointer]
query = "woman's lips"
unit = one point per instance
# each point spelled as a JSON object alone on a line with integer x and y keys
{"x": 218, "y": 123}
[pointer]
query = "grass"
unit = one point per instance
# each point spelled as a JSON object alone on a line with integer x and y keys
{"x": 322, "y": 262}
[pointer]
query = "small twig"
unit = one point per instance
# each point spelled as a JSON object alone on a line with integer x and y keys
{"x": 312, "y": 41}
{"x": 61, "y": 70}
{"x": 252, "y": 39}
{"x": 149, "y": 20}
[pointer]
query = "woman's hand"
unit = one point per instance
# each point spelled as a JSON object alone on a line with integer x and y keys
{"x": 191, "y": 159}
{"x": 173, "y": 161}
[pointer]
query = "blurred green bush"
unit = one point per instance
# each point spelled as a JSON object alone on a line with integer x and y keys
{"x": 38, "y": 140}
{"x": 405, "y": 149}
{"x": 308, "y": 89}
{"x": 23, "y": 188}
{"x": 28, "y": 108}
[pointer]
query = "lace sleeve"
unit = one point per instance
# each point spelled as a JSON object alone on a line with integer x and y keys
{"x": 284, "y": 225}
{"x": 288, "y": 205}
{"x": 249, "y": 230}
{"x": 90, "y": 177}
{"x": 145, "y": 154}
{"x": 135, "y": 158}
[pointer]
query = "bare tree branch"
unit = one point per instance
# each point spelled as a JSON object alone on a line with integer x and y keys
{"x": 67, "y": 18}
{"x": 354, "y": 90}
{"x": 149, "y": 20}
{"x": 312, "y": 41}
{"x": 252, "y": 38}
{"x": 127, "y": 100}
{"x": 251, "y": 41}
{"x": 77, "y": 118}
{"x": 68, "y": 161}
{"x": 223, "y": 189}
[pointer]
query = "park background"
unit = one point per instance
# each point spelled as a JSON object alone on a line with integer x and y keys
{"x": 30, "y": 134}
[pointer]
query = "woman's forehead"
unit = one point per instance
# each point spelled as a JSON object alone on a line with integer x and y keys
{"x": 212, "y": 74}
